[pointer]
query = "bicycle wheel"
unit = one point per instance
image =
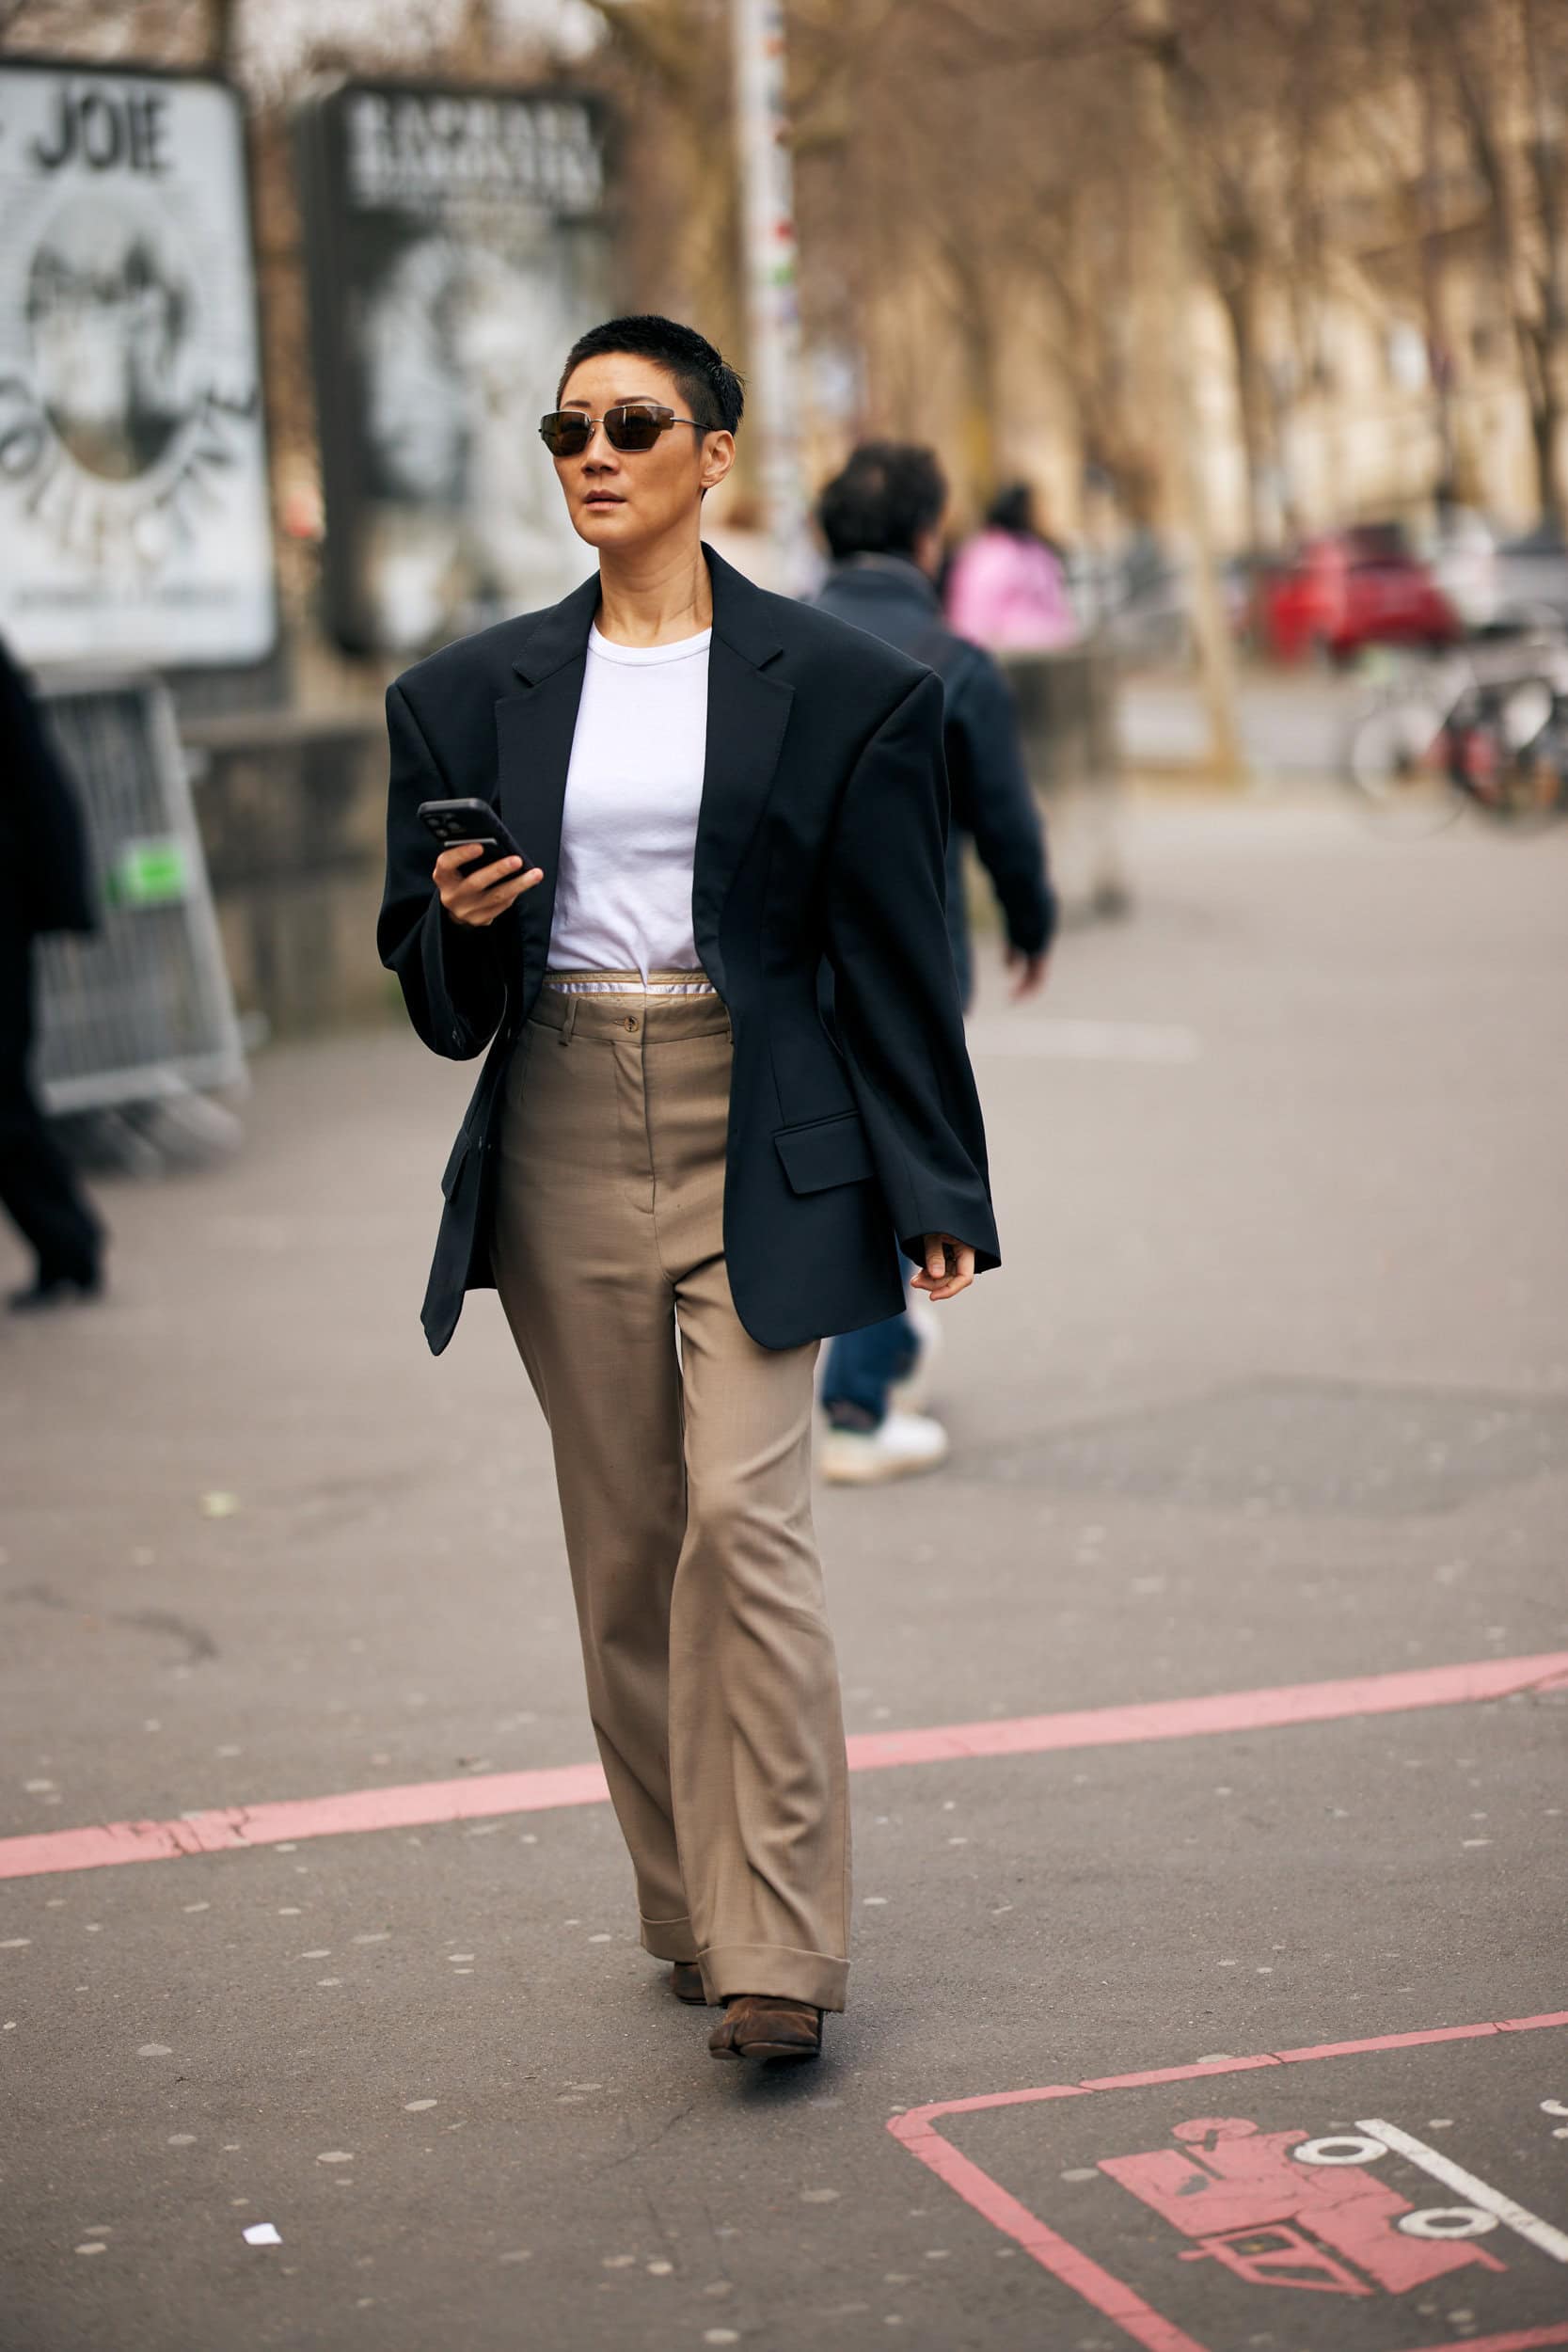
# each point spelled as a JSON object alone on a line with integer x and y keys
{"x": 1396, "y": 758}
{"x": 1531, "y": 791}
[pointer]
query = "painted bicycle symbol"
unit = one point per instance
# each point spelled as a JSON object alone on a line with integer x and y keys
{"x": 1283, "y": 2210}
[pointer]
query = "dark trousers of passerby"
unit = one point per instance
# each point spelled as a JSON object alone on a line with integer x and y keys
{"x": 864, "y": 1367}
{"x": 37, "y": 1187}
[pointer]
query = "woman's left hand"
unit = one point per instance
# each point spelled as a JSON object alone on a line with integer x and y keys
{"x": 949, "y": 1266}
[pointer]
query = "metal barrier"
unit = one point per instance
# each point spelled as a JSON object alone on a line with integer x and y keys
{"x": 142, "y": 1010}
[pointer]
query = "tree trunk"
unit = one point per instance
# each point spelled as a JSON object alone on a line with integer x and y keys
{"x": 223, "y": 36}
{"x": 982, "y": 390}
{"x": 1171, "y": 222}
{"x": 1495, "y": 91}
{"x": 1549, "y": 177}
{"x": 1543, "y": 357}
{"x": 1239, "y": 296}
{"x": 1434, "y": 289}
{"x": 471, "y": 50}
{"x": 1542, "y": 434}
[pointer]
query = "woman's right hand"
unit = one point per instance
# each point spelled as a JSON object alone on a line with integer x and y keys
{"x": 475, "y": 899}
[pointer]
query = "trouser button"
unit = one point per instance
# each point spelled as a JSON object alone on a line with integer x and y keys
{"x": 631, "y": 1020}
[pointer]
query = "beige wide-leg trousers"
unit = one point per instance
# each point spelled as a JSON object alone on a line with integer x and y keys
{"x": 684, "y": 1485}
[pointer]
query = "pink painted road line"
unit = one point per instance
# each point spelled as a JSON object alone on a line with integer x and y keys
{"x": 359, "y": 1809}
{"x": 424, "y": 1802}
{"x": 1227, "y": 1710}
{"x": 1100, "y": 2288}
{"x": 917, "y": 2123}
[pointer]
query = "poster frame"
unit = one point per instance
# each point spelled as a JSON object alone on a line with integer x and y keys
{"x": 340, "y": 444}
{"x": 130, "y": 69}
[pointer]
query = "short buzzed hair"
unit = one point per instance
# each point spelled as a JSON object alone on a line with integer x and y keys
{"x": 708, "y": 385}
{"x": 887, "y": 497}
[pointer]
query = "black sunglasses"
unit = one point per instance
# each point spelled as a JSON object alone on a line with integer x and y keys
{"x": 634, "y": 424}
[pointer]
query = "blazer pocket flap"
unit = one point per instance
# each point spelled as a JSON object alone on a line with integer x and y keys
{"x": 826, "y": 1152}
{"x": 453, "y": 1168}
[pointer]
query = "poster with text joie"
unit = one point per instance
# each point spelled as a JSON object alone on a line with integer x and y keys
{"x": 133, "y": 503}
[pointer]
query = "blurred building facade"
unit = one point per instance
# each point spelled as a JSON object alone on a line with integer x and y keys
{"x": 1379, "y": 305}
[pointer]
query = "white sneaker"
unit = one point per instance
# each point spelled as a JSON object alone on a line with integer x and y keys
{"x": 905, "y": 1444}
{"x": 912, "y": 1394}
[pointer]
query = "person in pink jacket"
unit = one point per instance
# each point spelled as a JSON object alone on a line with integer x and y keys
{"x": 1006, "y": 589}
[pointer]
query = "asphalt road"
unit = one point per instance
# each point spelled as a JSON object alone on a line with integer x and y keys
{"x": 1272, "y": 1391}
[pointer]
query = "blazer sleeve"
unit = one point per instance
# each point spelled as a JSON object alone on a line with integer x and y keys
{"x": 450, "y": 974}
{"x": 895, "y": 994}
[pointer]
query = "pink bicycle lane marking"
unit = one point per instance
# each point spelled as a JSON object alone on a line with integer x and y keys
{"x": 423, "y": 1804}
{"x": 1100, "y": 2288}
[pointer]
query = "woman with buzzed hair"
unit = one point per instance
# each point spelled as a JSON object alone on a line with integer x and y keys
{"x": 679, "y": 1169}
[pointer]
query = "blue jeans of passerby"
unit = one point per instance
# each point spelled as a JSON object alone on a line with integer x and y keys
{"x": 863, "y": 1366}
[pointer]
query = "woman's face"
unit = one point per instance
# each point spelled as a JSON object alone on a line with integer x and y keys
{"x": 625, "y": 499}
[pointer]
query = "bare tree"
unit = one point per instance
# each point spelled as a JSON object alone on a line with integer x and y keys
{"x": 981, "y": 252}
{"x": 1507, "y": 65}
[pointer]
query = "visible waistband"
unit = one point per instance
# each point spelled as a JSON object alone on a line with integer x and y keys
{"x": 631, "y": 983}
{"x": 666, "y": 1008}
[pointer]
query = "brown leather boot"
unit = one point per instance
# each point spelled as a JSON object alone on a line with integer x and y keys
{"x": 763, "y": 2025}
{"x": 686, "y": 1983}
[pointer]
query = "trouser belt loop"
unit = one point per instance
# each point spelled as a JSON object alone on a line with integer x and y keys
{"x": 571, "y": 1021}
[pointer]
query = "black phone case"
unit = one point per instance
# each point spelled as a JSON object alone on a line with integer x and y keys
{"x": 449, "y": 824}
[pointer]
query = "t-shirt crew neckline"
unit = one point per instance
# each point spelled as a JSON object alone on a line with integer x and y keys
{"x": 640, "y": 657}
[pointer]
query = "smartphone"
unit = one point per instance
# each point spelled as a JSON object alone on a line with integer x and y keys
{"x": 451, "y": 822}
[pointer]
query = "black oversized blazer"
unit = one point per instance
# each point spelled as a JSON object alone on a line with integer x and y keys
{"x": 820, "y": 836}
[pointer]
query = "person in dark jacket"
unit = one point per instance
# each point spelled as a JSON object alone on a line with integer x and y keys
{"x": 882, "y": 518}
{"x": 44, "y": 887}
{"x": 675, "y": 1173}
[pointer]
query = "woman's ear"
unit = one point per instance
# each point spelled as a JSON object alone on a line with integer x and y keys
{"x": 718, "y": 457}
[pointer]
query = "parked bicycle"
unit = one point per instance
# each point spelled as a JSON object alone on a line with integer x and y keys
{"x": 1483, "y": 727}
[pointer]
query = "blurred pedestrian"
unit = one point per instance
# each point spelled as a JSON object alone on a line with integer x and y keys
{"x": 882, "y": 518}
{"x": 1007, "y": 587}
{"x": 713, "y": 789}
{"x": 44, "y": 889}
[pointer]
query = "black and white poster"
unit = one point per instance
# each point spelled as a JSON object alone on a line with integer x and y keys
{"x": 457, "y": 246}
{"x": 133, "y": 506}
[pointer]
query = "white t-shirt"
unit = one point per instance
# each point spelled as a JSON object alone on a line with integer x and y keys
{"x": 629, "y": 830}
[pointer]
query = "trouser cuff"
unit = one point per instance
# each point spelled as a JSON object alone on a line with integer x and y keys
{"x": 668, "y": 1939}
{"x": 729, "y": 1969}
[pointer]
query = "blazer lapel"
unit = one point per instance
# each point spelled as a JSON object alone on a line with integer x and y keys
{"x": 747, "y": 713}
{"x": 533, "y": 751}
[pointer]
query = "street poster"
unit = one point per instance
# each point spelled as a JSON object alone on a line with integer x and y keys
{"x": 457, "y": 245}
{"x": 133, "y": 502}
